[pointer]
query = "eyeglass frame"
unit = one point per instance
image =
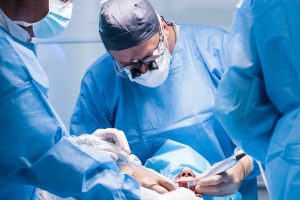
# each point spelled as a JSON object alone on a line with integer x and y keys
{"x": 137, "y": 64}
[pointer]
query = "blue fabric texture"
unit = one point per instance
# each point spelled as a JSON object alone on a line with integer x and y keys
{"x": 258, "y": 98}
{"x": 34, "y": 147}
{"x": 181, "y": 109}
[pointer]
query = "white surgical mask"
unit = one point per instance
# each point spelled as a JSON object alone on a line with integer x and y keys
{"x": 154, "y": 78}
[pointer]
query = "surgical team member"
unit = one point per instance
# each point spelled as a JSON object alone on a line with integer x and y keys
{"x": 35, "y": 149}
{"x": 259, "y": 97}
{"x": 158, "y": 82}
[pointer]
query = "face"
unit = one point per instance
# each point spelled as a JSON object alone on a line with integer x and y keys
{"x": 35, "y": 13}
{"x": 142, "y": 52}
{"x": 185, "y": 176}
{"x": 30, "y": 11}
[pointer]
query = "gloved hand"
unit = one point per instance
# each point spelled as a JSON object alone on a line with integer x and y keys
{"x": 227, "y": 183}
{"x": 179, "y": 194}
{"x": 114, "y": 136}
{"x": 148, "y": 180}
{"x": 96, "y": 143}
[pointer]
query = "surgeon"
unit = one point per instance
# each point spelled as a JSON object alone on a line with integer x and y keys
{"x": 258, "y": 99}
{"x": 156, "y": 82}
{"x": 35, "y": 148}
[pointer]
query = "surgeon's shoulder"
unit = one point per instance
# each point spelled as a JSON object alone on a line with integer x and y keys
{"x": 10, "y": 48}
{"x": 12, "y": 68}
{"x": 3, "y": 34}
{"x": 5, "y": 42}
{"x": 101, "y": 72}
{"x": 205, "y": 34}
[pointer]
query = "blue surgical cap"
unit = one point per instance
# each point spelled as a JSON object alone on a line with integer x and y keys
{"x": 127, "y": 23}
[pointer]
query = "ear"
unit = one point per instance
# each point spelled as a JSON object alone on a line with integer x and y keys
{"x": 166, "y": 28}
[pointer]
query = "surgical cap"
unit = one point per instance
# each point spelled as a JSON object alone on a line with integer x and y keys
{"x": 127, "y": 23}
{"x": 173, "y": 157}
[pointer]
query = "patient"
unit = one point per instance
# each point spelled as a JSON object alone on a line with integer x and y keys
{"x": 185, "y": 176}
{"x": 181, "y": 164}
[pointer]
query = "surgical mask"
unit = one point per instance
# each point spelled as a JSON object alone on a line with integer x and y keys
{"x": 52, "y": 25}
{"x": 56, "y": 21}
{"x": 154, "y": 78}
{"x": 25, "y": 24}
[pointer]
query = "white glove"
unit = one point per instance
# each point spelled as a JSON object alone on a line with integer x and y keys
{"x": 227, "y": 183}
{"x": 114, "y": 136}
{"x": 179, "y": 194}
{"x": 87, "y": 140}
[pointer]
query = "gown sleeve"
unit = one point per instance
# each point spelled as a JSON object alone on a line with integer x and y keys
{"x": 34, "y": 145}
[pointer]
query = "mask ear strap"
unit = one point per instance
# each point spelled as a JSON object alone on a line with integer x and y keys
{"x": 22, "y": 23}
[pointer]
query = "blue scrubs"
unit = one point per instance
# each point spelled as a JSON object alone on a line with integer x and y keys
{"x": 181, "y": 109}
{"x": 34, "y": 148}
{"x": 265, "y": 107}
{"x": 242, "y": 103}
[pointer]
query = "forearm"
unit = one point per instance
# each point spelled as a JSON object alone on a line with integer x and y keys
{"x": 81, "y": 173}
{"x": 247, "y": 163}
{"x": 34, "y": 152}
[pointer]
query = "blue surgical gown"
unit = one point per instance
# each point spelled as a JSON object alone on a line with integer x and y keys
{"x": 34, "y": 148}
{"x": 259, "y": 96}
{"x": 181, "y": 109}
